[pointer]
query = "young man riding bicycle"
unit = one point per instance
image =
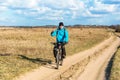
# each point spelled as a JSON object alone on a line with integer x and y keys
{"x": 62, "y": 37}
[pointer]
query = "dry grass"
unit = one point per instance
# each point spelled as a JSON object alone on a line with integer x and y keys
{"x": 115, "y": 71}
{"x": 23, "y": 49}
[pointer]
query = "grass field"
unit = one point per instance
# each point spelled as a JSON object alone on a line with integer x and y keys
{"x": 115, "y": 71}
{"x": 23, "y": 49}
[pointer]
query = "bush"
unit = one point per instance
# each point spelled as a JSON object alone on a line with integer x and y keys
{"x": 117, "y": 29}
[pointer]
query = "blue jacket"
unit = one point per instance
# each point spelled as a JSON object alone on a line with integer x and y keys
{"x": 61, "y": 35}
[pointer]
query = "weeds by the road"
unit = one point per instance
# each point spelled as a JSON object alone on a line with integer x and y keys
{"x": 115, "y": 71}
{"x": 23, "y": 49}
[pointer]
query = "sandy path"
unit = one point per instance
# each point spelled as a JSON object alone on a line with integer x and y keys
{"x": 95, "y": 70}
{"x": 49, "y": 73}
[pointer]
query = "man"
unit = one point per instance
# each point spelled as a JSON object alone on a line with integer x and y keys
{"x": 62, "y": 36}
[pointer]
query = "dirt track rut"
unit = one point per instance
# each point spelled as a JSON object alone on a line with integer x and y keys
{"x": 93, "y": 70}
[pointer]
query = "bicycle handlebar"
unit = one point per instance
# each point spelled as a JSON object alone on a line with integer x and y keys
{"x": 58, "y": 43}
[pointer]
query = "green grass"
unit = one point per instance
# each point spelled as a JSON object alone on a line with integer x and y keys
{"x": 23, "y": 49}
{"x": 115, "y": 71}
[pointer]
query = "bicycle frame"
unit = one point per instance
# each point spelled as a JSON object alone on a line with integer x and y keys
{"x": 59, "y": 55}
{"x": 59, "y": 58}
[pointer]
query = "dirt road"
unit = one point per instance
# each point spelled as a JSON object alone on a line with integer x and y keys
{"x": 95, "y": 70}
{"x": 96, "y": 60}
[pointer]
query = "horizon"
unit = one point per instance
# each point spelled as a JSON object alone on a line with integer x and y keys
{"x": 76, "y": 25}
{"x": 72, "y": 12}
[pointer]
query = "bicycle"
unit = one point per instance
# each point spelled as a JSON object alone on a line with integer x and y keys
{"x": 59, "y": 58}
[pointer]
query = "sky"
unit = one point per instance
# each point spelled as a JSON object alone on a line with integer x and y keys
{"x": 51, "y": 12}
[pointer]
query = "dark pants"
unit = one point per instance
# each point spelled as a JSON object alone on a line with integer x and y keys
{"x": 63, "y": 50}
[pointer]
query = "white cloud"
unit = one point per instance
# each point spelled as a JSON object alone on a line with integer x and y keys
{"x": 21, "y": 4}
{"x": 89, "y": 14}
{"x": 50, "y": 7}
{"x": 34, "y": 11}
{"x": 59, "y": 9}
{"x": 19, "y": 11}
{"x": 43, "y": 9}
{"x": 3, "y": 8}
{"x": 53, "y": 15}
{"x": 49, "y": 18}
{"x": 99, "y": 6}
{"x": 78, "y": 9}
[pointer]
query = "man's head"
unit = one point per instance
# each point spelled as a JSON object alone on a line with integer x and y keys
{"x": 61, "y": 25}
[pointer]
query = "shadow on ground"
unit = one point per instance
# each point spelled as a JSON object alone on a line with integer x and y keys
{"x": 109, "y": 67}
{"x": 36, "y": 60}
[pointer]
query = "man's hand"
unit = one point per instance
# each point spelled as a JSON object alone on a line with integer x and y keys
{"x": 64, "y": 43}
{"x": 52, "y": 32}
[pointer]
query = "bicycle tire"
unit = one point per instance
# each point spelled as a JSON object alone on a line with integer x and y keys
{"x": 57, "y": 60}
{"x": 61, "y": 58}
